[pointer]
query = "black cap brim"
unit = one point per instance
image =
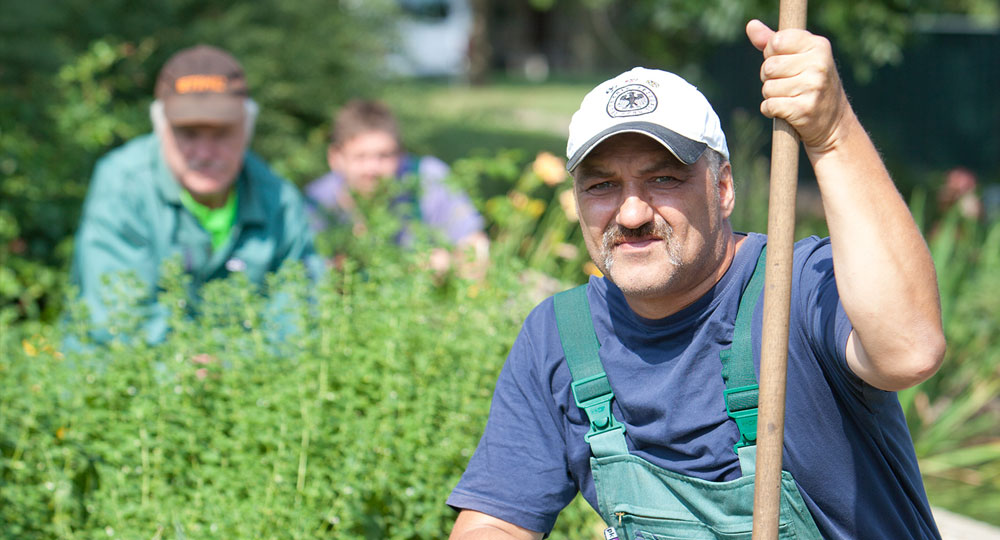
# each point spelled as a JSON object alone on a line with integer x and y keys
{"x": 681, "y": 147}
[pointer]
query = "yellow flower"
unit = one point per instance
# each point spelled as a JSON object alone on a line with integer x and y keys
{"x": 590, "y": 268}
{"x": 535, "y": 208}
{"x": 551, "y": 169}
{"x": 568, "y": 203}
{"x": 29, "y": 349}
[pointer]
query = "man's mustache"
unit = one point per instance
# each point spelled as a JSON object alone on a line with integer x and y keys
{"x": 206, "y": 165}
{"x": 616, "y": 234}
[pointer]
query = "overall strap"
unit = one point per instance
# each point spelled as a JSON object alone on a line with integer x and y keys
{"x": 742, "y": 389}
{"x": 591, "y": 389}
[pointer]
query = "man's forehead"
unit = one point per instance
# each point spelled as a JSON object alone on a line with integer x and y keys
{"x": 371, "y": 139}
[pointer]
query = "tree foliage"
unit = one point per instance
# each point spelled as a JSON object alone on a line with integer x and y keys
{"x": 77, "y": 79}
{"x": 683, "y": 32}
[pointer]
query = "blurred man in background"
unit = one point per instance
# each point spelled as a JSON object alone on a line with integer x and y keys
{"x": 365, "y": 151}
{"x": 192, "y": 191}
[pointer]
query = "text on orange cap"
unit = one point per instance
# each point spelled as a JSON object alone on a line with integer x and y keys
{"x": 200, "y": 83}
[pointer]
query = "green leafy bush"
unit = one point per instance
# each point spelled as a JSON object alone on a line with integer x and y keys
{"x": 954, "y": 417}
{"x": 357, "y": 424}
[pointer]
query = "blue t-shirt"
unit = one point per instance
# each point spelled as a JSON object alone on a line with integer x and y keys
{"x": 846, "y": 442}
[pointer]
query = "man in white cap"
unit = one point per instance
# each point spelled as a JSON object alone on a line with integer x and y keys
{"x": 192, "y": 191}
{"x": 639, "y": 389}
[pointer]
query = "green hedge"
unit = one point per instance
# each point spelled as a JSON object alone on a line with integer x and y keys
{"x": 357, "y": 425}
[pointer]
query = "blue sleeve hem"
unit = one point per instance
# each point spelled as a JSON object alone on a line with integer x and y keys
{"x": 461, "y": 500}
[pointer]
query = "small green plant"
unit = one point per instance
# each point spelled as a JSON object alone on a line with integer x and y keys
{"x": 534, "y": 219}
{"x": 346, "y": 408}
{"x": 954, "y": 417}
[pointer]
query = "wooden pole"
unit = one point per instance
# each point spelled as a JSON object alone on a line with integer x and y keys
{"x": 777, "y": 301}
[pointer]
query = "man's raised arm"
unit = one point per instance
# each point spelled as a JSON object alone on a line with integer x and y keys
{"x": 884, "y": 271}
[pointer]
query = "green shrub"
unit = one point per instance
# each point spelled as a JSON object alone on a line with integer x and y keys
{"x": 355, "y": 425}
{"x": 954, "y": 417}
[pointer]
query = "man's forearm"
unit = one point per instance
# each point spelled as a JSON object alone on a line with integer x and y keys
{"x": 472, "y": 525}
{"x": 482, "y": 533}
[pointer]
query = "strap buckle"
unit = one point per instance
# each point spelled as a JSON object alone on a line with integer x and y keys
{"x": 746, "y": 419}
{"x": 598, "y": 408}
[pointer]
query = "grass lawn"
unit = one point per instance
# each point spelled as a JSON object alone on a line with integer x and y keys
{"x": 452, "y": 121}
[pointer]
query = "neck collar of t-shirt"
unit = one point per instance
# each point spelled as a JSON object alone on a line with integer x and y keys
{"x": 218, "y": 222}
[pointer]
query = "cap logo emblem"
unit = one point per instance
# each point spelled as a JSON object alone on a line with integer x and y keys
{"x": 631, "y": 100}
{"x": 200, "y": 83}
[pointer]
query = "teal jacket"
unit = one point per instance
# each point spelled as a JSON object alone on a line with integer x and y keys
{"x": 133, "y": 220}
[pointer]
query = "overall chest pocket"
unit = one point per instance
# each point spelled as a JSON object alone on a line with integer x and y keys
{"x": 644, "y": 502}
{"x": 634, "y": 527}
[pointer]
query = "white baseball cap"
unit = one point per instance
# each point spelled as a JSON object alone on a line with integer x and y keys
{"x": 651, "y": 102}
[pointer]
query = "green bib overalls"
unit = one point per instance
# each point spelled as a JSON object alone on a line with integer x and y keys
{"x": 640, "y": 501}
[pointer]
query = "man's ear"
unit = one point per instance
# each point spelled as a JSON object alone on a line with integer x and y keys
{"x": 727, "y": 189}
{"x": 333, "y": 157}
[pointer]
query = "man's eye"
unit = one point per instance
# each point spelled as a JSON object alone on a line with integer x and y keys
{"x": 600, "y": 186}
{"x": 666, "y": 180}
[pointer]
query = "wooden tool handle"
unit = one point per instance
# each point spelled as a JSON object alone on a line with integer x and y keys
{"x": 777, "y": 299}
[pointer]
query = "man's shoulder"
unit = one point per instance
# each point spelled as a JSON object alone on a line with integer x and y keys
{"x": 259, "y": 171}
{"x": 806, "y": 251}
{"x": 812, "y": 264}
{"x": 135, "y": 156}
{"x": 135, "y": 149}
{"x": 537, "y": 352}
{"x": 269, "y": 184}
{"x": 541, "y": 321}
{"x": 542, "y": 315}
{"x": 127, "y": 172}
{"x": 812, "y": 246}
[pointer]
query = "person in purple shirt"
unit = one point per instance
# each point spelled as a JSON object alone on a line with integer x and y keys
{"x": 365, "y": 150}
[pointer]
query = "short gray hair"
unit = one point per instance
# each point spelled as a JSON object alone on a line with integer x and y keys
{"x": 714, "y": 161}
